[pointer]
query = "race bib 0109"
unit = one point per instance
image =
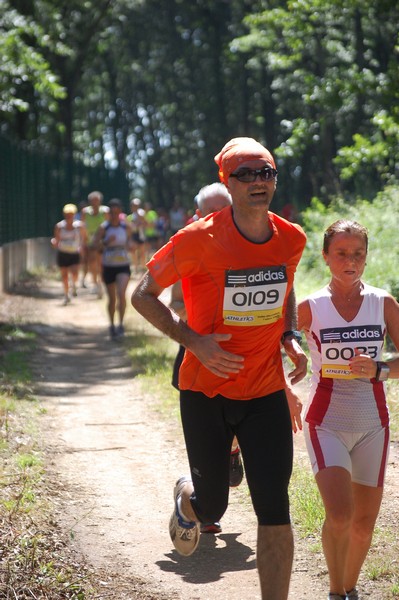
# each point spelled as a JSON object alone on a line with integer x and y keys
{"x": 254, "y": 296}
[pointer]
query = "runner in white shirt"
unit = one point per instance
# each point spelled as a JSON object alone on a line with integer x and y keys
{"x": 69, "y": 240}
{"x": 346, "y": 421}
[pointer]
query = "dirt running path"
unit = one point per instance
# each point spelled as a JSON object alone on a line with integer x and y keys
{"x": 116, "y": 461}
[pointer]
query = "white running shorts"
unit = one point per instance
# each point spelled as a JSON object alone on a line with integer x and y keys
{"x": 364, "y": 455}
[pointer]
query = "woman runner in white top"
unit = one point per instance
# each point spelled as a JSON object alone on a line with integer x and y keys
{"x": 346, "y": 421}
{"x": 69, "y": 239}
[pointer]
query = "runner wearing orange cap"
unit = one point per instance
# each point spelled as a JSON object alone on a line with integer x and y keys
{"x": 237, "y": 268}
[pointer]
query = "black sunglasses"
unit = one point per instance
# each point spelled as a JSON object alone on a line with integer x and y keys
{"x": 250, "y": 175}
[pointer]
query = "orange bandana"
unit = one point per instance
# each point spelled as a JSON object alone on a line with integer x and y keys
{"x": 238, "y": 151}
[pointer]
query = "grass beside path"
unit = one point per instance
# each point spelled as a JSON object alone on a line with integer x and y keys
{"x": 37, "y": 559}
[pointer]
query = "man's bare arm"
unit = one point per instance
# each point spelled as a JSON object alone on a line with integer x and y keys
{"x": 290, "y": 344}
{"x": 291, "y": 315}
{"x": 145, "y": 299}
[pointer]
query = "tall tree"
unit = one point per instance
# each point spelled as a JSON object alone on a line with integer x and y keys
{"x": 27, "y": 82}
{"x": 332, "y": 63}
{"x": 156, "y": 88}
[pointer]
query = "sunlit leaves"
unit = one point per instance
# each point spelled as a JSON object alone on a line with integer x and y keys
{"x": 158, "y": 87}
{"x": 332, "y": 65}
{"x": 23, "y": 64}
{"x": 378, "y": 154}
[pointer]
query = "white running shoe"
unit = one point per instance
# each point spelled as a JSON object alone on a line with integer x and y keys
{"x": 184, "y": 535}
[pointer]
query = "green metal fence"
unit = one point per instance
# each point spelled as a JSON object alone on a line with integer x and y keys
{"x": 35, "y": 186}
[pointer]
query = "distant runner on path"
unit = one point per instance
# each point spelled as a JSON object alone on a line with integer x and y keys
{"x": 69, "y": 240}
{"x": 113, "y": 236}
{"x": 92, "y": 216}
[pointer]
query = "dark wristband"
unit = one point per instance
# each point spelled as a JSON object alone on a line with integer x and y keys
{"x": 292, "y": 333}
{"x": 382, "y": 373}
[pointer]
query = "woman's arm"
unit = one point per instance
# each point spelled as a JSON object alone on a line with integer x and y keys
{"x": 362, "y": 365}
{"x": 304, "y": 316}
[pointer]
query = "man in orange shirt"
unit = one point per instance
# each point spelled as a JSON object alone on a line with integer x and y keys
{"x": 237, "y": 268}
{"x": 209, "y": 199}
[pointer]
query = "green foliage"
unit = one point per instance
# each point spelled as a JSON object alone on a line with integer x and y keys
{"x": 380, "y": 217}
{"x": 363, "y": 153}
{"x": 374, "y": 157}
{"x": 306, "y": 504}
{"x": 25, "y": 461}
{"x": 151, "y": 356}
{"x": 331, "y": 79}
{"x": 393, "y": 404}
{"x": 380, "y": 569}
{"x": 15, "y": 373}
{"x": 24, "y": 66}
{"x": 316, "y": 80}
{"x": 152, "y": 361}
{"x": 35, "y": 560}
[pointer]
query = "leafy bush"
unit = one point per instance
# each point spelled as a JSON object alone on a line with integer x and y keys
{"x": 380, "y": 216}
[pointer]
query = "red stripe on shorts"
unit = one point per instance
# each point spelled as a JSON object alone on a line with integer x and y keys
{"x": 316, "y": 447}
{"x": 384, "y": 458}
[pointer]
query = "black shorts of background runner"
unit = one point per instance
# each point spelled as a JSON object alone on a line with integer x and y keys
{"x": 110, "y": 273}
{"x": 151, "y": 239}
{"x": 67, "y": 259}
{"x": 263, "y": 430}
{"x": 137, "y": 238}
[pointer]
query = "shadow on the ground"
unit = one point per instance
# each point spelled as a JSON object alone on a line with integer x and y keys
{"x": 30, "y": 285}
{"x": 69, "y": 358}
{"x": 210, "y": 561}
{"x": 74, "y": 359}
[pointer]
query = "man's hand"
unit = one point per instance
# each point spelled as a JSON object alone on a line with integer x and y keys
{"x": 295, "y": 406}
{"x": 145, "y": 299}
{"x": 208, "y": 351}
{"x": 298, "y": 357}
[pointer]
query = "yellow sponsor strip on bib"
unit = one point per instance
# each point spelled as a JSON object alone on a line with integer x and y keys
{"x": 249, "y": 319}
{"x": 337, "y": 372}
